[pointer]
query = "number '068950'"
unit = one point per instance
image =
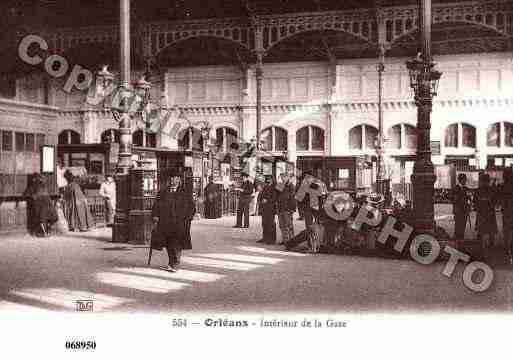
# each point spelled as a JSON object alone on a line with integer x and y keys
{"x": 81, "y": 345}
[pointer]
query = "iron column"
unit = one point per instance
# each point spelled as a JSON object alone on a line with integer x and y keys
{"x": 380, "y": 145}
{"x": 259, "y": 76}
{"x": 120, "y": 230}
{"x": 423, "y": 177}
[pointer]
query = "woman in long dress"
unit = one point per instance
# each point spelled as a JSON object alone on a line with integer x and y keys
{"x": 212, "y": 198}
{"x": 76, "y": 210}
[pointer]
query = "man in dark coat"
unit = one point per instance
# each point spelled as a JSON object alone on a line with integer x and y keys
{"x": 267, "y": 208}
{"x": 172, "y": 213}
{"x": 506, "y": 194}
{"x": 461, "y": 207}
{"x": 212, "y": 198}
{"x": 486, "y": 221}
{"x": 309, "y": 212}
{"x": 246, "y": 191}
{"x": 286, "y": 207}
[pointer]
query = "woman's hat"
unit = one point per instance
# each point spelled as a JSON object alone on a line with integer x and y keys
{"x": 375, "y": 199}
{"x": 340, "y": 200}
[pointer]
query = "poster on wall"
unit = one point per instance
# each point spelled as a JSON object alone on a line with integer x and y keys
{"x": 225, "y": 172}
{"x": 472, "y": 178}
{"x": 47, "y": 159}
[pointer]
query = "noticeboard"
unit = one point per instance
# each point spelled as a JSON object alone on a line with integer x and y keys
{"x": 48, "y": 159}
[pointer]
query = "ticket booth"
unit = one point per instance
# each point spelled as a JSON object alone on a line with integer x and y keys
{"x": 340, "y": 173}
{"x": 143, "y": 193}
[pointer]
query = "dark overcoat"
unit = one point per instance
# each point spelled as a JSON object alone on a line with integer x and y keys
{"x": 175, "y": 211}
{"x": 267, "y": 200}
{"x": 285, "y": 198}
{"x": 486, "y": 221}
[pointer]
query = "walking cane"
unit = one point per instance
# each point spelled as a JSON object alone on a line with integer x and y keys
{"x": 149, "y": 257}
{"x": 43, "y": 229}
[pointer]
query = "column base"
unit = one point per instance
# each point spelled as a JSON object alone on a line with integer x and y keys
{"x": 423, "y": 181}
{"x": 120, "y": 229}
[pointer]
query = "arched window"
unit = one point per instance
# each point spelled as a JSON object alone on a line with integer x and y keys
{"x": 500, "y": 134}
{"x": 402, "y": 136}
{"x": 225, "y": 137}
{"x": 274, "y": 139}
{"x": 410, "y": 134}
{"x": 493, "y": 135}
{"x": 451, "y": 136}
{"x": 460, "y": 135}
{"x": 137, "y": 139}
{"x": 110, "y": 136}
{"x": 190, "y": 139}
{"x": 508, "y": 134}
{"x": 69, "y": 137}
{"x": 310, "y": 138}
{"x": 355, "y": 138}
{"x": 468, "y": 135}
{"x": 357, "y": 135}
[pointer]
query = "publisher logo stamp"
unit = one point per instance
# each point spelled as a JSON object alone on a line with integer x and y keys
{"x": 84, "y": 305}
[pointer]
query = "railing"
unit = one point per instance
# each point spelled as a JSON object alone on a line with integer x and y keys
{"x": 230, "y": 199}
{"x": 97, "y": 207}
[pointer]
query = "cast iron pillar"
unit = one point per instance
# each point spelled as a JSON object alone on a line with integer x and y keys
{"x": 424, "y": 82}
{"x": 120, "y": 230}
{"x": 259, "y": 76}
{"x": 380, "y": 148}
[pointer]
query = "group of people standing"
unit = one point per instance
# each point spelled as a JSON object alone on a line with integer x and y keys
{"x": 485, "y": 200}
{"x": 69, "y": 210}
{"x": 273, "y": 199}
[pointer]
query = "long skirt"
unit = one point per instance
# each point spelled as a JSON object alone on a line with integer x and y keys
{"x": 78, "y": 215}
